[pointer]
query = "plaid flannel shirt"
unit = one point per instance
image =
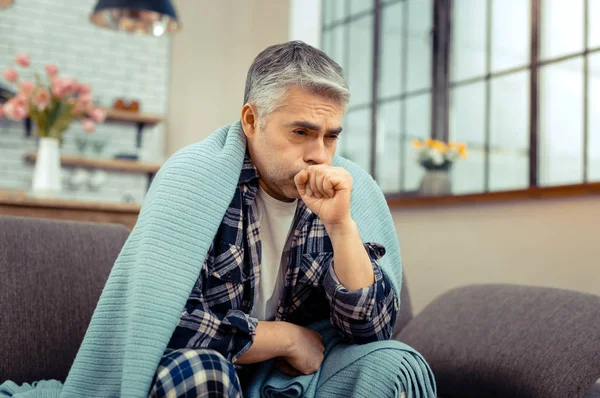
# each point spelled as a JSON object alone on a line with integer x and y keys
{"x": 216, "y": 315}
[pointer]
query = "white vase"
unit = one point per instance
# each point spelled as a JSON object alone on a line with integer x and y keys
{"x": 47, "y": 173}
{"x": 436, "y": 183}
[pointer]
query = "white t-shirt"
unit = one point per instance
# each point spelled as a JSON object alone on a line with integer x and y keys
{"x": 276, "y": 219}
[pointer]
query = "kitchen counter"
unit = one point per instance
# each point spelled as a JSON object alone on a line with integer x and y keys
{"x": 19, "y": 203}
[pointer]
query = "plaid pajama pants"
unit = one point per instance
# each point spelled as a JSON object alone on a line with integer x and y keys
{"x": 195, "y": 373}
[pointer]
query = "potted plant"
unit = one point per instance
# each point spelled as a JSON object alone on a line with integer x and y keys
{"x": 52, "y": 103}
{"x": 437, "y": 158}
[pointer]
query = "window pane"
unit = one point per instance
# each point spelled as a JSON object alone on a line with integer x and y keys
{"x": 511, "y": 21}
{"x": 467, "y": 124}
{"x": 390, "y": 75}
{"x": 420, "y": 16}
{"x": 594, "y": 119}
{"x": 467, "y": 175}
{"x": 561, "y": 137}
{"x": 356, "y": 138}
{"x": 359, "y": 71}
{"x": 336, "y": 46}
{"x": 418, "y": 126}
{"x": 468, "y": 39}
{"x": 338, "y": 9}
{"x": 357, "y": 6}
{"x": 327, "y": 12}
{"x": 418, "y": 116}
{"x": 467, "y": 114}
{"x": 594, "y": 26}
{"x": 509, "y": 170}
{"x": 509, "y": 127}
{"x": 561, "y": 27}
{"x": 509, "y": 132}
{"x": 326, "y": 41}
{"x": 388, "y": 147}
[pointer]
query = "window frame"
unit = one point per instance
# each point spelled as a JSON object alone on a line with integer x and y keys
{"x": 441, "y": 85}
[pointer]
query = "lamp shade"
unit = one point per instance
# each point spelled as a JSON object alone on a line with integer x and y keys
{"x": 153, "y": 17}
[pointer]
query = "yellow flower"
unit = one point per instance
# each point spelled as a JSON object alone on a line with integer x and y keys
{"x": 462, "y": 151}
{"x": 417, "y": 144}
{"x": 439, "y": 146}
{"x": 429, "y": 142}
{"x": 452, "y": 145}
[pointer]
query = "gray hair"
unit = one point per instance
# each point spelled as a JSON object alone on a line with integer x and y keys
{"x": 291, "y": 64}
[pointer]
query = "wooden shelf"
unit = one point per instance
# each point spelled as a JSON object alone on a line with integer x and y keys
{"x": 22, "y": 198}
{"x": 116, "y": 115}
{"x": 107, "y": 164}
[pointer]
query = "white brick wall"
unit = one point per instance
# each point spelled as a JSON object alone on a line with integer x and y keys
{"x": 116, "y": 64}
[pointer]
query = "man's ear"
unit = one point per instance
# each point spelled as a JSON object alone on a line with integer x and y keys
{"x": 249, "y": 120}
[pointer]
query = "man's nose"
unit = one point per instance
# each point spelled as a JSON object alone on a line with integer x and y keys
{"x": 316, "y": 153}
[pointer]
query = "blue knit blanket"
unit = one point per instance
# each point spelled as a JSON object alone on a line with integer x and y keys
{"x": 380, "y": 369}
{"x": 154, "y": 274}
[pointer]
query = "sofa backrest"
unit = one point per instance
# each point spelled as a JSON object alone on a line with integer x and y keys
{"x": 51, "y": 277}
{"x": 406, "y": 311}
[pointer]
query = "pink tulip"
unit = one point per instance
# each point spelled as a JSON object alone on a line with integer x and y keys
{"x": 98, "y": 115}
{"x": 23, "y": 60}
{"x": 41, "y": 99}
{"x": 71, "y": 85}
{"x": 16, "y": 109}
{"x": 89, "y": 125}
{"x": 11, "y": 75}
{"x": 59, "y": 89}
{"x": 51, "y": 70}
{"x": 20, "y": 113}
{"x": 86, "y": 99}
{"x": 84, "y": 88}
{"x": 22, "y": 101}
{"x": 26, "y": 88}
{"x": 8, "y": 109}
{"x": 79, "y": 108}
{"x": 62, "y": 86}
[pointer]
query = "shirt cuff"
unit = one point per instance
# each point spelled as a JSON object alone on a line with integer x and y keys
{"x": 245, "y": 327}
{"x": 355, "y": 304}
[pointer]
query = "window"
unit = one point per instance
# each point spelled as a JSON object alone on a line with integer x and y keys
{"x": 489, "y": 93}
{"x": 517, "y": 80}
{"x": 402, "y": 84}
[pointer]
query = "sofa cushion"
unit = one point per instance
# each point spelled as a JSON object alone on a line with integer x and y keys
{"x": 406, "y": 312}
{"x": 593, "y": 392}
{"x": 52, "y": 275}
{"x": 509, "y": 341}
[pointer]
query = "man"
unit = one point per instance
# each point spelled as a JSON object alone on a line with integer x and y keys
{"x": 287, "y": 252}
{"x": 249, "y": 247}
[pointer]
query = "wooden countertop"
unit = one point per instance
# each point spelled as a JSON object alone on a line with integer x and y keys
{"x": 22, "y": 199}
{"x": 107, "y": 164}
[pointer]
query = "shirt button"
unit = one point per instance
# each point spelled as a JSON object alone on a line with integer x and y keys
{"x": 228, "y": 275}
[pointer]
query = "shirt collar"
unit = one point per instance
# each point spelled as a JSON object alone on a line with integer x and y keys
{"x": 249, "y": 171}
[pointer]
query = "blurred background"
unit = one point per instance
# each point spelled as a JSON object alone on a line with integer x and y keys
{"x": 478, "y": 118}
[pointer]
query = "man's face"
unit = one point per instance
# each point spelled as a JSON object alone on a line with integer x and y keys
{"x": 302, "y": 132}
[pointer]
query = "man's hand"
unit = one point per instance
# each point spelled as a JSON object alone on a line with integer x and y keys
{"x": 305, "y": 354}
{"x": 299, "y": 350}
{"x": 326, "y": 191}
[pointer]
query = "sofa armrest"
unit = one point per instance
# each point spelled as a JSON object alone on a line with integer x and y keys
{"x": 509, "y": 340}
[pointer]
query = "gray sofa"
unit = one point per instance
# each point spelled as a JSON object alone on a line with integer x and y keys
{"x": 481, "y": 341}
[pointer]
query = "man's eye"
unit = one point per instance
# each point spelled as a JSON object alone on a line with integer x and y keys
{"x": 333, "y": 137}
{"x": 300, "y": 132}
